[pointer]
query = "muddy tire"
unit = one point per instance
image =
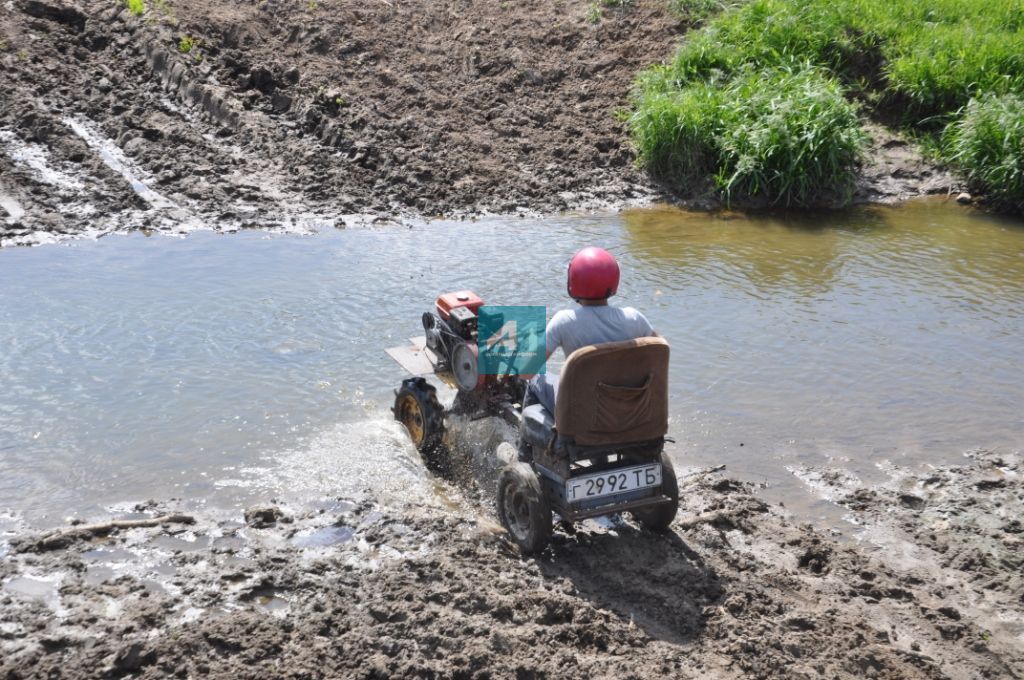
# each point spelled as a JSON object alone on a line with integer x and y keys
{"x": 660, "y": 517}
{"x": 417, "y": 407}
{"x": 523, "y": 509}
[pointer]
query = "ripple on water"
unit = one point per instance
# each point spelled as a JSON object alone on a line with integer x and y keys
{"x": 148, "y": 367}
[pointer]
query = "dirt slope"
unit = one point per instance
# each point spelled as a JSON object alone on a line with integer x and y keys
{"x": 286, "y": 109}
{"x": 285, "y": 114}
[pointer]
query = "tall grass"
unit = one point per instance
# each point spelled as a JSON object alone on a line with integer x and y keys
{"x": 935, "y": 55}
{"x": 987, "y": 143}
{"x": 920, "y": 61}
{"x": 785, "y": 134}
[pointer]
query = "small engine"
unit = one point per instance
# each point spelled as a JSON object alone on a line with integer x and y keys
{"x": 452, "y": 336}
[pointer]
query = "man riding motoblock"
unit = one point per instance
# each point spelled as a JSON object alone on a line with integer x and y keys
{"x": 593, "y": 277}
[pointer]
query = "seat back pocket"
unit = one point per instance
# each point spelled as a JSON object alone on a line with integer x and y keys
{"x": 620, "y": 409}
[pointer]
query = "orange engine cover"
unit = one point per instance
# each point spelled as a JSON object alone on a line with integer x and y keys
{"x": 460, "y": 298}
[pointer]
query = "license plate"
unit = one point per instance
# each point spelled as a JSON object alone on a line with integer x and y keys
{"x": 611, "y": 482}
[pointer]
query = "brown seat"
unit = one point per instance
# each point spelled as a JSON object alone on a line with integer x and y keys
{"x": 614, "y": 393}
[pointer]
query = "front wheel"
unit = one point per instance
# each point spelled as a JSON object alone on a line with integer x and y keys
{"x": 523, "y": 509}
{"x": 659, "y": 517}
{"x": 417, "y": 407}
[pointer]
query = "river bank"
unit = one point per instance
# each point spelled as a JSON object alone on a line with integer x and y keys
{"x": 298, "y": 116}
{"x": 923, "y": 582}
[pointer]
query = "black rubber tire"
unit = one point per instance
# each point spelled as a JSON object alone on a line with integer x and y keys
{"x": 659, "y": 517}
{"x": 426, "y": 418}
{"x": 523, "y": 509}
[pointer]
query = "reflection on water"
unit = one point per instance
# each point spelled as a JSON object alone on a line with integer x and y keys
{"x": 879, "y": 332}
{"x": 807, "y": 255}
{"x": 228, "y": 367}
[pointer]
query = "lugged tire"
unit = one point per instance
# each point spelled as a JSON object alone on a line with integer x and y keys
{"x": 659, "y": 517}
{"x": 522, "y": 508}
{"x": 417, "y": 407}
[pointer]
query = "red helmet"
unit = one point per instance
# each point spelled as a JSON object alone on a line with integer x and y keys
{"x": 593, "y": 275}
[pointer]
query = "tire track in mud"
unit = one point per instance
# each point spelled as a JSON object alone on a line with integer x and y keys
{"x": 355, "y": 589}
{"x": 953, "y": 531}
{"x": 283, "y": 112}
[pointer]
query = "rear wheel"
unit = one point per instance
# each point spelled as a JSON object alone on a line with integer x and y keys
{"x": 417, "y": 407}
{"x": 523, "y": 509}
{"x": 659, "y": 517}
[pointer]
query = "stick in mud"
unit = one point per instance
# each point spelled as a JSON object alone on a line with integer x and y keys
{"x": 62, "y": 538}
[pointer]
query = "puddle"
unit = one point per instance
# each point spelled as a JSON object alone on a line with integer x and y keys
{"x": 108, "y": 555}
{"x": 272, "y": 603}
{"x": 268, "y": 600}
{"x": 32, "y": 587}
{"x": 43, "y": 589}
{"x": 324, "y": 537}
{"x": 165, "y": 569}
{"x": 187, "y": 543}
{"x": 97, "y": 574}
{"x": 228, "y": 543}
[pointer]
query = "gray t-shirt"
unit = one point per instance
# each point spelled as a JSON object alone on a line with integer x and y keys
{"x": 571, "y": 329}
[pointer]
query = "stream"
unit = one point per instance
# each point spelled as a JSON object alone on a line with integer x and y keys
{"x": 230, "y": 368}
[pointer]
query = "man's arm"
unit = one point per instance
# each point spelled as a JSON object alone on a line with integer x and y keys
{"x": 553, "y": 335}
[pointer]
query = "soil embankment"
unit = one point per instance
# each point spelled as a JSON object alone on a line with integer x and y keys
{"x": 737, "y": 589}
{"x": 294, "y": 115}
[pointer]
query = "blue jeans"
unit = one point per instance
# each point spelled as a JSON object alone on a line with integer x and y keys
{"x": 543, "y": 390}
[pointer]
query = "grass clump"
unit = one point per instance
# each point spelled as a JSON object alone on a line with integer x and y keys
{"x": 136, "y": 7}
{"x": 916, "y": 62}
{"x": 186, "y": 44}
{"x": 788, "y": 135}
{"x": 987, "y": 144}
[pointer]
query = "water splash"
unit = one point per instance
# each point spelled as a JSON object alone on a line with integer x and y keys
{"x": 370, "y": 457}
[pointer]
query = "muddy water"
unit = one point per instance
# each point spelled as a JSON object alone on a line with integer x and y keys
{"x": 228, "y": 368}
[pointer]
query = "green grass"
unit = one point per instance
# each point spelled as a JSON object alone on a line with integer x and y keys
{"x": 987, "y": 144}
{"x": 186, "y": 44}
{"x": 136, "y": 7}
{"x": 788, "y": 135}
{"x": 917, "y": 61}
{"x": 931, "y": 55}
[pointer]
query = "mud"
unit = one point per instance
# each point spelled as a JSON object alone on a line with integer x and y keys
{"x": 737, "y": 589}
{"x": 304, "y": 115}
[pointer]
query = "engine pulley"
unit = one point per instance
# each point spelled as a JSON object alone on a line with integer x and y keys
{"x": 465, "y": 366}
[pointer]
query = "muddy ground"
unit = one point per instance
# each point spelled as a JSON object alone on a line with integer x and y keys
{"x": 296, "y": 115}
{"x": 924, "y": 582}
